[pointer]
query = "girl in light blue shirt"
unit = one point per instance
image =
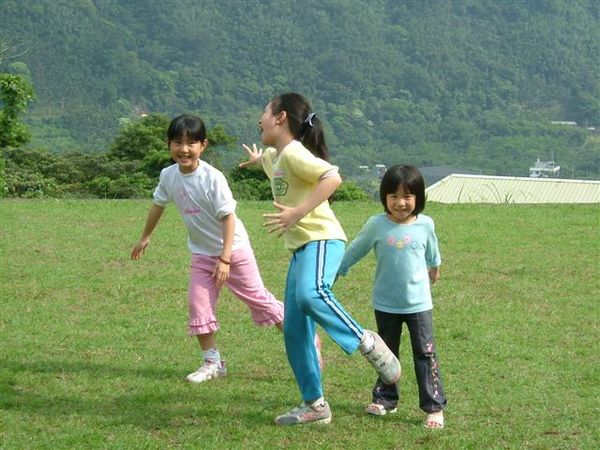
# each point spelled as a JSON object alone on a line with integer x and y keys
{"x": 408, "y": 261}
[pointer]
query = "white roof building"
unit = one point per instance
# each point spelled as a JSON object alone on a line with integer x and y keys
{"x": 544, "y": 169}
{"x": 458, "y": 188}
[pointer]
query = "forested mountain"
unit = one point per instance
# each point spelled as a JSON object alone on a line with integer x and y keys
{"x": 474, "y": 84}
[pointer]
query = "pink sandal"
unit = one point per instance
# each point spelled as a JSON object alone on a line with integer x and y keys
{"x": 379, "y": 410}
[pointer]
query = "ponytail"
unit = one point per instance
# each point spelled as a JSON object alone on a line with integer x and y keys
{"x": 304, "y": 124}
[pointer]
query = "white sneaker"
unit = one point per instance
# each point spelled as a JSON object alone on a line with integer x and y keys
{"x": 306, "y": 414}
{"x": 383, "y": 360}
{"x": 207, "y": 371}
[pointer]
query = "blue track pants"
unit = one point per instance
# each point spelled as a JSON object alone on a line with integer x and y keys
{"x": 309, "y": 300}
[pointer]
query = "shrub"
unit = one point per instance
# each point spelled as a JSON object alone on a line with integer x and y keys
{"x": 28, "y": 184}
{"x": 136, "y": 185}
{"x": 251, "y": 189}
{"x": 350, "y": 191}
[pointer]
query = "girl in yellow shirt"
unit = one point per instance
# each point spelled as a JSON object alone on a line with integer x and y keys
{"x": 302, "y": 180}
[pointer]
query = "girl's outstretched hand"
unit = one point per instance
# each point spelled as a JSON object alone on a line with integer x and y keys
{"x": 254, "y": 156}
{"x": 139, "y": 249}
{"x": 283, "y": 220}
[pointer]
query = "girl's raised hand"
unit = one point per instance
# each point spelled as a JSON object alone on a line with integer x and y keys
{"x": 254, "y": 156}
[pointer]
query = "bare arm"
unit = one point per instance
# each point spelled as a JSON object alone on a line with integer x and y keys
{"x": 154, "y": 216}
{"x": 221, "y": 272}
{"x": 228, "y": 230}
{"x": 324, "y": 190}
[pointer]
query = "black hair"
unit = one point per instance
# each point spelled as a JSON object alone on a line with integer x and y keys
{"x": 407, "y": 177}
{"x": 304, "y": 125}
{"x": 188, "y": 126}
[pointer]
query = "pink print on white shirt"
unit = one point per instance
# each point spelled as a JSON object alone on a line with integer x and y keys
{"x": 189, "y": 209}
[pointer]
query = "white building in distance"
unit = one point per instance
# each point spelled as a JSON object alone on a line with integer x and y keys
{"x": 458, "y": 188}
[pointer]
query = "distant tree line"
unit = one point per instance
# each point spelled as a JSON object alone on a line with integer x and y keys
{"x": 130, "y": 169}
{"x": 473, "y": 84}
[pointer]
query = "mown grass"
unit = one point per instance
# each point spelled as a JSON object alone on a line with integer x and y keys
{"x": 94, "y": 346}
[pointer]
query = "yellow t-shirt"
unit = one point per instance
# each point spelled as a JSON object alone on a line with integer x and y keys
{"x": 294, "y": 174}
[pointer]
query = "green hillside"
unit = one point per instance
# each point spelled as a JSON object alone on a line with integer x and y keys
{"x": 473, "y": 84}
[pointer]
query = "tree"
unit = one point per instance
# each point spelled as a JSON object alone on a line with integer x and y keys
{"x": 138, "y": 139}
{"x": 16, "y": 93}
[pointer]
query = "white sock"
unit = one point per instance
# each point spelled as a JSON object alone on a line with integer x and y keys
{"x": 367, "y": 343}
{"x": 318, "y": 402}
{"x": 212, "y": 355}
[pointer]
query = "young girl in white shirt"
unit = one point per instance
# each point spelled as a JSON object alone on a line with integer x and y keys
{"x": 217, "y": 239}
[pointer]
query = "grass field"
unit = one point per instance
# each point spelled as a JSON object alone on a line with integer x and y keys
{"x": 94, "y": 346}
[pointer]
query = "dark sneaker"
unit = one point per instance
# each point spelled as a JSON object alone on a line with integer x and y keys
{"x": 306, "y": 414}
{"x": 383, "y": 360}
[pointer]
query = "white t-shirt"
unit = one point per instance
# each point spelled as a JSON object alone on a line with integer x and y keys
{"x": 203, "y": 198}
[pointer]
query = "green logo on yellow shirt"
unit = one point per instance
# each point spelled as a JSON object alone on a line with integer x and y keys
{"x": 280, "y": 187}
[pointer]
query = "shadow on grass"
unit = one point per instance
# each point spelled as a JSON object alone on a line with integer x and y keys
{"x": 147, "y": 397}
{"x": 61, "y": 367}
{"x": 354, "y": 412}
{"x": 157, "y": 398}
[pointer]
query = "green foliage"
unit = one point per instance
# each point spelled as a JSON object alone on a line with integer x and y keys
{"x": 129, "y": 170}
{"x": 28, "y": 173}
{"x": 217, "y": 136}
{"x": 3, "y": 186}
{"x": 446, "y": 76}
{"x": 137, "y": 185}
{"x": 350, "y": 191}
{"x": 251, "y": 189}
{"x": 143, "y": 143}
{"x": 39, "y": 173}
{"x": 249, "y": 184}
{"x": 16, "y": 93}
{"x": 472, "y": 85}
{"x": 29, "y": 184}
{"x": 253, "y": 184}
{"x": 137, "y": 139}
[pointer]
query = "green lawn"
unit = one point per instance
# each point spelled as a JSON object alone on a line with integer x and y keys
{"x": 94, "y": 346}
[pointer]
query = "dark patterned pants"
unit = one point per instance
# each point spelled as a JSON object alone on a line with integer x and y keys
{"x": 427, "y": 367}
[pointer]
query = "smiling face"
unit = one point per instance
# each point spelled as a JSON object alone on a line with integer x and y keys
{"x": 401, "y": 205}
{"x": 186, "y": 152}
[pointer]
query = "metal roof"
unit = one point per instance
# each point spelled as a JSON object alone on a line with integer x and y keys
{"x": 459, "y": 188}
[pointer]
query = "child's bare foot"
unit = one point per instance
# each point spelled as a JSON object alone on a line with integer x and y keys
{"x": 434, "y": 420}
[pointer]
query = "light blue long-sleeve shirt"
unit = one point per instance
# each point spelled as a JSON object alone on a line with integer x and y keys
{"x": 404, "y": 253}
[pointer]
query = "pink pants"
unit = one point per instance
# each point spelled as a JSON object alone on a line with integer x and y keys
{"x": 244, "y": 282}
